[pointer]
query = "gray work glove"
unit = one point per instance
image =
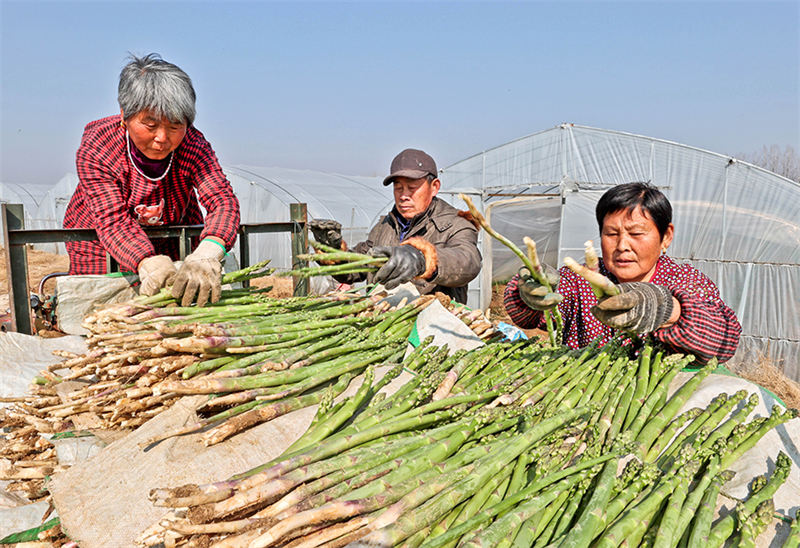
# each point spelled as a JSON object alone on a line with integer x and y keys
{"x": 155, "y": 272}
{"x": 200, "y": 274}
{"x": 327, "y": 232}
{"x": 641, "y": 307}
{"x": 405, "y": 263}
{"x": 534, "y": 294}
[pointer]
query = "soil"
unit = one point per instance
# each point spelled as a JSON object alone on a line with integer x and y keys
{"x": 41, "y": 263}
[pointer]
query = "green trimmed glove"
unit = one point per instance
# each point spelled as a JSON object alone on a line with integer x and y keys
{"x": 200, "y": 275}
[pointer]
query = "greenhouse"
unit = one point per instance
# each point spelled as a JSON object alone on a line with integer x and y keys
{"x": 11, "y": 193}
{"x": 265, "y": 194}
{"x": 736, "y": 222}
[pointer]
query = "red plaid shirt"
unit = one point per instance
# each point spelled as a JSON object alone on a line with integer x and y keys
{"x": 116, "y": 200}
{"x": 707, "y": 327}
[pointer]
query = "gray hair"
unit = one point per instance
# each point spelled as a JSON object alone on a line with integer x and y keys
{"x": 150, "y": 83}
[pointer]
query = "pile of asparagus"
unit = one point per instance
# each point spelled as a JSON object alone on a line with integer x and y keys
{"x": 476, "y": 319}
{"x": 26, "y": 458}
{"x": 509, "y": 444}
{"x": 294, "y": 356}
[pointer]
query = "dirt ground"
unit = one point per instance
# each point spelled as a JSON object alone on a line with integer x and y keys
{"x": 40, "y": 264}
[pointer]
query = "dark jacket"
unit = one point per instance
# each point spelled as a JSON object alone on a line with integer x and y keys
{"x": 454, "y": 237}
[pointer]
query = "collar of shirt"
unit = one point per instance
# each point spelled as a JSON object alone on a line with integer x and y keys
{"x": 404, "y": 225}
{"x": 151, "y": 168}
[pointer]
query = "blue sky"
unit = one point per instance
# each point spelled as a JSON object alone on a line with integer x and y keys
{"x": 343, "y": 87}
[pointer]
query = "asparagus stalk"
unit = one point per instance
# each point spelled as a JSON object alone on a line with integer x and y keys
{"x": 526, "y": 260}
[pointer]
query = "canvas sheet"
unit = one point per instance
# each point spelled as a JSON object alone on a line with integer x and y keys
{"x": 23, "y": 356}
{"x": 80, "y": 295}
{"x": 103, "y": 501}
{"x": 760, "y": 459}
{"x": 445, "y": 328}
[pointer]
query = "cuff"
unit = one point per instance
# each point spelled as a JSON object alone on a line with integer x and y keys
{"x": 209, "y": 249}
{"x": 428, "y": 251}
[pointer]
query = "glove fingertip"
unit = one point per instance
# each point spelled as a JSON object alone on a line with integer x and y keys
{"x": 178, "y": 287}
{"x": 203, "y": 294}
{"x": 391, "y": 284}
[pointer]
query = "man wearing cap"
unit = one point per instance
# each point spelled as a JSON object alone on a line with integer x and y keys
{"x": 427, "y": 241}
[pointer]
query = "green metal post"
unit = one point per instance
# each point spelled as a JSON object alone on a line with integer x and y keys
{"x": 184, "y": 245}
{"x": 13, "y": 218}
{"x": 299, "y": 214}
{"x": 244, "y": 250}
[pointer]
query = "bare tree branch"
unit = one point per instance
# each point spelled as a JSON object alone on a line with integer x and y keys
{"x": 784, "y": 162}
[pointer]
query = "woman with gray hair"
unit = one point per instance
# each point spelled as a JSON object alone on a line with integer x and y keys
{"x": 148, "y": 166}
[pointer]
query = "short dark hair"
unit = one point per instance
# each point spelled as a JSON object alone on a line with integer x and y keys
{"x": 629, "y": 196}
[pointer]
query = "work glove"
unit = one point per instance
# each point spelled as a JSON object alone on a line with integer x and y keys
{"x": 327, "y": 232}
{"x": 154, "y": 273}
{"x": 640, "y": 307}
{"x": 534, "y": 294}
{"x": 200, "y": 274}
{"x": 405, "y": 263}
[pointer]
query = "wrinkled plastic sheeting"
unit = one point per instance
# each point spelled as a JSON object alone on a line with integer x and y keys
{"x": 22, "y": 518}
{"x": 23, "y": 356}
{"x": 71, "y": 451}
{"x": 445, "y": 328}
{"x": 760, "y": 459}
{"x": 113, "y": 486}
{"x": 394, "y": 297}
{"x": 78, "y": 296}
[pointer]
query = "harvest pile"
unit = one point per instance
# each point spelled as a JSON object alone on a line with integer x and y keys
{"x": 261, "y": 357}
{"x": 509, "y": 444}
{"x": 525, "y": 443}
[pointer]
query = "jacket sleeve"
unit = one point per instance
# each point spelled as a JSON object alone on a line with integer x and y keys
{"x": 117, "y": 230}
{"x": 458, "y": 259}
{"x": 215, "y": 194}
{"x": 707, "y": 327}
{"x": 520, "y": 313}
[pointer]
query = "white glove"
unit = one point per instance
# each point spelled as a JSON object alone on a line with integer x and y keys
{"x": 200, "y": 274}
{"x": 154, "y": 273}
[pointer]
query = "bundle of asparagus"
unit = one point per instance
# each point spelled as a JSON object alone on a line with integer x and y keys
{"x": 475, "y": 319}
{"x": 530, "y": 260}
{"x": 509, "y": 443}
{"x": 333, "y": 262}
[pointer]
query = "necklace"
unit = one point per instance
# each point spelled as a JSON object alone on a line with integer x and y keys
{"x": 130, "y": 157}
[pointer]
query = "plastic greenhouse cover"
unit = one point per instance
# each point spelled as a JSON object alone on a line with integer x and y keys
{"x": 737, "y": 223}
{"x": 14, "y": 194}
{"x": 265, "y": 194}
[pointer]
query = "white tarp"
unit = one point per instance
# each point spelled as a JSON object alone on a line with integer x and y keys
{"x": 80, "y": 295}
{"x": 23, "y": 356}
{"x": 113, "y": 486}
